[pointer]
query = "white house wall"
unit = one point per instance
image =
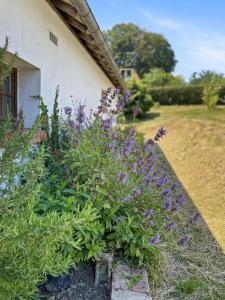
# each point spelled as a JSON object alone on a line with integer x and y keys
{"x": 28, "y": 23}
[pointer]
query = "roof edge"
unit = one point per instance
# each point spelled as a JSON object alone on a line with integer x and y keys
{"x": 85, "y": 12}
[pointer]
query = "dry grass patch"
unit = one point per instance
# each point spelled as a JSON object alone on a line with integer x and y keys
{"x": 195, "y": 147}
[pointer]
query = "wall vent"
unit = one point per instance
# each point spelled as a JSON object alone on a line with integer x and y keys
{"x": 53, "y": 38}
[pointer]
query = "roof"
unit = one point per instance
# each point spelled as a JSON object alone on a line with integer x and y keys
{"x": 78, "y": 16}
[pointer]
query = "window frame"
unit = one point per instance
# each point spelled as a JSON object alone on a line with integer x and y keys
{"x": 13, "y": 95}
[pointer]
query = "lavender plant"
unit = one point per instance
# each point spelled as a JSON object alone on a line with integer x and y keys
{"x": 139, "y": 206}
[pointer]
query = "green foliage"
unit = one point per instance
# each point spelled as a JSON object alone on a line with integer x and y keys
{"x": 133, "y": 47}
{"x": 14, "y": 146}
{"x": 36, "y": 242}
{"x": 206, "y": 77}
{"x": 93, "y": 174}
{"x": 54, "y": 136}
{"x": 134, "y": 280}
{"x": 177, "y": 95}
{"x": 140, "y": 101}
{"x": 129, "y": 233}
{"x": 44, "y": 116}
{"x": 5, "y": 69}
{"x": 160, "y": 78}
{"x": 184, "y": 288}
{"x": 211, "y": 95}
{"x": 183, "y": 95}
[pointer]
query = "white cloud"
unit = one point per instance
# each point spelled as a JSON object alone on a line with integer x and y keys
{"x": 197, "y": 49}
{"x": 161, "y": 21}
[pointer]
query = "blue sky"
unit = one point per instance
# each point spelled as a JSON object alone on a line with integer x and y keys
{"x": 194, "y": 28}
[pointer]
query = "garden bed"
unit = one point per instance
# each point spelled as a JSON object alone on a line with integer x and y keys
{"x": 93, "y": 188}
{"x": 78, "y": 284}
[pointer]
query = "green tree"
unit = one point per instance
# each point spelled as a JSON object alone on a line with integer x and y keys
{"x": 206, "y": 77}
{"x": 136, "y": 48}
{"x": 159, "y": 78}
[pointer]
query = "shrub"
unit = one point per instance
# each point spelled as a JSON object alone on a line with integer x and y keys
{"x": 124, "y": 181}
{"x": 211, "y": 95}
{"x": 177, "y": 95}
{"x": 23, "y": 264}
{"x": 139, "y": 102}
{"x": 160, "y": 78}
{"x": 182, "y": 95}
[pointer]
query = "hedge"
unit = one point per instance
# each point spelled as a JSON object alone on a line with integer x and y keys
{"x": 180, "y": 95}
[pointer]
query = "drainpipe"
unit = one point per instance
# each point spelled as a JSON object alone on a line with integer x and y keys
{"x": 85, "y": 12}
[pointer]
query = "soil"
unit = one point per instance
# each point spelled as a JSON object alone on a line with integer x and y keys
{"x": 77, "y": 284}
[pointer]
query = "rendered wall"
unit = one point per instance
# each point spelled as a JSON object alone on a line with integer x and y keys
{"x": 27, "y": 23}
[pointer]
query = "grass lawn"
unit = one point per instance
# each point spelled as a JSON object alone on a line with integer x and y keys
{"x": 195, "y": 148}
{"x": 194, "y": 151}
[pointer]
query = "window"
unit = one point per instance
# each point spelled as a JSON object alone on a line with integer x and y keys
{"x": 8, "y": 101}
{"x": 129, "y": 73}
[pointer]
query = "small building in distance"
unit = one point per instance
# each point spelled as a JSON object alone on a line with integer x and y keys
{"x": 129, "y": 73}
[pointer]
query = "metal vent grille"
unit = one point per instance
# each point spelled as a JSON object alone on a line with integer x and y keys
{"x": 53, "y": 38}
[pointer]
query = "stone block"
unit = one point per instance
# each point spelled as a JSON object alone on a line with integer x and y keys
{"x": 128, "y": 295}
{"x": 127, "y": 278}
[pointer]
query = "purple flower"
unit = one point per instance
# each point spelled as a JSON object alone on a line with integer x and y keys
{"x": 136, "y": 192}
{"x": 152, "y": 170}
{"x": 170, "y": 226}
{"x": 124, "y": 180}
{"x": 167, "y": 193}
{"x": 184, "y": 241}
{"x": 148, "y": 178}
{"x": 174, "y": 186}
{"x": 147, "y": 144}
{"x": 161, "y": 181}
{"x": 149, "y": 213}
{"x": 195, "y": 218}
{"x": 126, "y": 199}
{"x": 129, "y": 142}
{"x": 80, "y": 117}
{"x": 120, "y": 175}
{"x": 179, "y": 201}
{"x": 113, "y": 144}
{"x": 150, "y": 223}
{"x": 68, "y": 110}
{"x": 143, "y": 169}
{"x": 127, "y": 95}
{"x": 167, "y": 205}
{"x": 155, "y": 240}
{"x": 106, "y": 124}
{"x": 160, "y": 133}
{"x": 134, "y": 167}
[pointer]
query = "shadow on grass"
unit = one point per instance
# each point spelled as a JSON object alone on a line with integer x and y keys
{"x": 150, "y": 116}
{"x": 190, "y": 206}
{"x": 203, "y": 259}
